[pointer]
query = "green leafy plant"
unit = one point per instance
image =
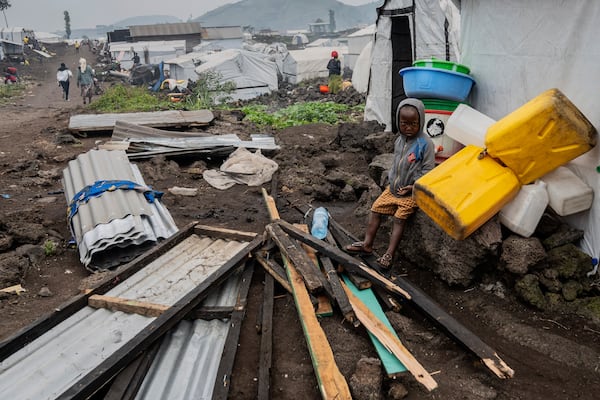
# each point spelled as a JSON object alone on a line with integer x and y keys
{"x": 9, "y": 91}
{"x": 301, "y": 114}
{"x": 49, "y": 248}
{"x": 120, "y": 98}
{"x": 209, "y": 91}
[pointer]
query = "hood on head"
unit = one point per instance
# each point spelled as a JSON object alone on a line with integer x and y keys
{"x": 416, "y": 103}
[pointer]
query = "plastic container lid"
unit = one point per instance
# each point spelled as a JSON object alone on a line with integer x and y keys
{"x": 441, "y": 64}
{"x": 439, "y": 104}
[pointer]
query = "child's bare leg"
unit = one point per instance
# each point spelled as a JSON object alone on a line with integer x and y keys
{"x": 397, "y": 229}
{"x": 372, "y": 227}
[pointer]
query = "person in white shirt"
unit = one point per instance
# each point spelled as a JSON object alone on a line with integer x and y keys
{"x": 63, "y": 76}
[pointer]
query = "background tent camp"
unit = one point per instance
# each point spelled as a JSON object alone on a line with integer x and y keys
{"x": 252, "y": 73}
{"x": 309, "y": 63}
{"x": 510, "y": 66}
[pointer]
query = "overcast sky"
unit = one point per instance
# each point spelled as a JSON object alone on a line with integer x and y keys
{"x": 48, "y": 15}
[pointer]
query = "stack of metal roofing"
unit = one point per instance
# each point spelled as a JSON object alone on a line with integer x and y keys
{"x": 115, "y": 225}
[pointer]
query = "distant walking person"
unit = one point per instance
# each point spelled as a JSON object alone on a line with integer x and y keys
{"x": 335, "y": 73}
{"x": 85, "y": 80}
{"x": 77, "y": 47}
{"x": 63, "y": 76}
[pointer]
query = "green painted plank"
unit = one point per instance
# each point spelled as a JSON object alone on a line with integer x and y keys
{"x": 391, "y": 364}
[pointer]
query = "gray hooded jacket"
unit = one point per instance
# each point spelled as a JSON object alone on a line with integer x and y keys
{"x": 414, "y": 156}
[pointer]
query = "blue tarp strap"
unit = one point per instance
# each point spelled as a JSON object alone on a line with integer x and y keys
{"x": 98, "y": 188}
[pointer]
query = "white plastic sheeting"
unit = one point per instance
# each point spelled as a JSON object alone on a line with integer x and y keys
{"x": 513, "y": 66}
{"x": 252, "y": 73}
{"x": 309, "y": 63}
{"x": 156, "y": 51}
{"x": 356, "y": 44}
{"x": 428, "y": 32}
{"x": 362, "y": 67}
{"x": 184, "y": 66}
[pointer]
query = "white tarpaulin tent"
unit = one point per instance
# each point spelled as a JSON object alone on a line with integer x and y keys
{"x": 407, "y": 30}
{"x": 151, "y": 52}
{"x": 357, "y": 41}
{"x": 516, "y": 51}
{"x": 309, "y": 63}
{"x": 184, "y": 66}
{"x": 252, "y": 73}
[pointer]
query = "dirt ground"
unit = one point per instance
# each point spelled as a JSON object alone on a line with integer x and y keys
{"x": 553, "y": 356}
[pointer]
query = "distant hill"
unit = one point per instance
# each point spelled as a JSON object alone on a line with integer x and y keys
{"x": 282, "y": 15}
{"x": 147, "y": 20}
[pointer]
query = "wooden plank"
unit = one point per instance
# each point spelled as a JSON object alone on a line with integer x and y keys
{"x": 452, "y": 327}
{"x": 127, "y": 305}
{"x": 212, "y": 312}
{"x": 390, "y": 341}
{"x": 223, "y": 378}
{"x": 358, "y": 281}
{"x": 324, "y": 307}
{"x": 392, "y": 365}
{"x": 292, "y": 251}
{"x": 224, "y": 233}
{"x": 332, "y": 383}
{"x": 340, "y": 295}
{"x": 266, "y": 340}
{"x": 93, "y": 380}
{"x": 350, "y": 263}
{"x": 275, "y": 270}
{"x": 171, "y": 118}
{"x": 31, "y": 332}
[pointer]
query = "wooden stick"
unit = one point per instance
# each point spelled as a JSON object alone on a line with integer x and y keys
{"x": 392, "y": 343}
{"x": 127, "y": 305}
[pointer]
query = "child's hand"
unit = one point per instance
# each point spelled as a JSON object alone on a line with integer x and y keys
{"x": 404, "y": 190}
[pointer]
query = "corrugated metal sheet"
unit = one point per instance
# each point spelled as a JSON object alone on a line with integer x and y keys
{"x": 118, "y": 221}
{"x": 106, "y": 122}
{"x": 187, "y": 362}
{"x": 222, "y": 32}
{"x": 51, "y": 364}
{"x": 183, "y": 28}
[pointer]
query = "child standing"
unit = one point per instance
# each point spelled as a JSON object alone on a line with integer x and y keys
{"x": 63, "y": 76}
{"x": 414, "y": 156}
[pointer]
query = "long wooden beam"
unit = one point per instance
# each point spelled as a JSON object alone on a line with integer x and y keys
{"x": 332, "y": 383}
{"x": 266, "y": 340}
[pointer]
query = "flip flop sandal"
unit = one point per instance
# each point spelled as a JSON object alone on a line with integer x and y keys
{"x": 357, "y": 248}
{"x": 385, "y": 260}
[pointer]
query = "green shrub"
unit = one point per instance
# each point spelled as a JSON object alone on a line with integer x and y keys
{"x": 9, "y": 91}
{"x": 120, "y": 98}
{"x": 208, "y": 91}
{"x": 302, "y": 114}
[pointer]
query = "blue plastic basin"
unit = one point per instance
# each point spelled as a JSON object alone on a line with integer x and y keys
{"x": 423, "y": 82}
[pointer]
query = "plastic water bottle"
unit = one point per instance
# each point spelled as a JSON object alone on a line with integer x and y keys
{"x": 319, "y": 223}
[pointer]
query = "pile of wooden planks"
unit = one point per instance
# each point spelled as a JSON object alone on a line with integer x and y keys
{"x": 308, "y": 272}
